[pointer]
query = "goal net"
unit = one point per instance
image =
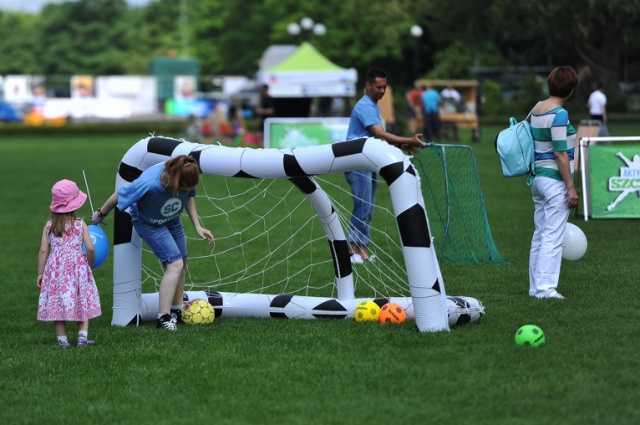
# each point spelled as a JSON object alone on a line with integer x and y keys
{"x": 279, "y": 248}
{"x": 453, "y": 198}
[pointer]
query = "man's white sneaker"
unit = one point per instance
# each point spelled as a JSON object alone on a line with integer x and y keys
{"x": 356, "y": 259}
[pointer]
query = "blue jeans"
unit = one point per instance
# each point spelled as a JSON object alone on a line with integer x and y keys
{"x": 166, "y": 241}
{"x": 363, "y": 189}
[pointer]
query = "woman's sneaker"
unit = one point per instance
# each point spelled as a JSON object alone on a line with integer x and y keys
{"x": 549, "y": 293}
{"x": 166, "y": 322}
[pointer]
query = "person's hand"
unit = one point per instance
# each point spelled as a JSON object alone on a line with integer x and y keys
{"x": 414, "y": 144}
{"x": 96, "y": 217}
{"x": 205, "y": 234}
{"x": 573, "y": 198}
{"x": 39, "y": 281}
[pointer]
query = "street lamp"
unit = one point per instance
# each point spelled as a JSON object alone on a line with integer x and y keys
{"x": 305, "y": 27}
{"x": 416, "y": 32}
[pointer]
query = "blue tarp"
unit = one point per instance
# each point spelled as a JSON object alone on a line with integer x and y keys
{"x": 8, "y": 113}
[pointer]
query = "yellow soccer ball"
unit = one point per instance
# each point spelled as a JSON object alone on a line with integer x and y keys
{"x": 366, "y": 311}
{"x": 198, "y": 312}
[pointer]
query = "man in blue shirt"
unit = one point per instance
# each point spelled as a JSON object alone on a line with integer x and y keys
{"x": 431, "y": 101}
{"x": 366, "y": 121}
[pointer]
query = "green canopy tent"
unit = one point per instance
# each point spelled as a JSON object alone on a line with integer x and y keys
{"x": 306, "y": 73}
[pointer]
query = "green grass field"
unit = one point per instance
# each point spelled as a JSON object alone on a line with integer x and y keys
{"x": 262, "y": 371}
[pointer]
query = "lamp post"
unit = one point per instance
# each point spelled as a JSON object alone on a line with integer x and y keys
{"x": 305, "y": 27}
{"x": 416, "y": 32}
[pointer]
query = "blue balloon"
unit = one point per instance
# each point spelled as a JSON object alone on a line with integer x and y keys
{"x": 100, "y": 244}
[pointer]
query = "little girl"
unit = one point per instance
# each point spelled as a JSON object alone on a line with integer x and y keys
{"x": 68, "y": 290}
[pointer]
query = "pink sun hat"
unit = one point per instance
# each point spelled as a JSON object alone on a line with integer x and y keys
{"x": 66, "y": 197}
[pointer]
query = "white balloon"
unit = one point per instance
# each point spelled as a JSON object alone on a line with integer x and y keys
{"x": 574, "y": 244}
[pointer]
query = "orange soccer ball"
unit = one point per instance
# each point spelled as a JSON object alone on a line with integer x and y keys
{"x": 392, "y": 313}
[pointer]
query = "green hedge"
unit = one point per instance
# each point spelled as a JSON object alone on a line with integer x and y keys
{"x": 157, "y": 127}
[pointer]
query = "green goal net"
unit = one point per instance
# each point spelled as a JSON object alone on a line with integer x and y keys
{"x": 455, "y": 205}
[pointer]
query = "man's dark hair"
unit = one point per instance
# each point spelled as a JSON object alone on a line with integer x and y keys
{"x": 374, "y": 73}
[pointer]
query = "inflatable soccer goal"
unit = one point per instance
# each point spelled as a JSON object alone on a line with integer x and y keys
{"x": 280, "y": 248}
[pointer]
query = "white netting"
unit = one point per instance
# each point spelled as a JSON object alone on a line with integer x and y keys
{"x": 269, "y": 239}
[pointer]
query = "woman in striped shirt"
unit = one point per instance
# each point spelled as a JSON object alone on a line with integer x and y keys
{"x": 553, "y": 191}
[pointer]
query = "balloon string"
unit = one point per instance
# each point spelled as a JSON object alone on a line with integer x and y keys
{"x": 88, "y": 193}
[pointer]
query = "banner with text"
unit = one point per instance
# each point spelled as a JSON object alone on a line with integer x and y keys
{"x": 614, "y": 180}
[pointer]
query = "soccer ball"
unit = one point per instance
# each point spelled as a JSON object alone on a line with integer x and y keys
{"x": 392, "y": 313}
{"x": 366, "y": 311}
{"x": 530, "y": 335}
{"x": 198, "y": 312}
{"x": 574, "y": 244}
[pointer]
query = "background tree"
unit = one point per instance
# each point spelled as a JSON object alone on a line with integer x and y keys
{"x": 17, "y": 42}
{"x": 599, "y": 38}
{"x": 84, "y": 37}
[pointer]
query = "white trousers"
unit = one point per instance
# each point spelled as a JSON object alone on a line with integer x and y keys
{"x": 550, "y": 218}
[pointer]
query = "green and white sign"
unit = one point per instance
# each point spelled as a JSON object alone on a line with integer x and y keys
{"x": 614, "y": 180}
{"x": 296, "y": 132}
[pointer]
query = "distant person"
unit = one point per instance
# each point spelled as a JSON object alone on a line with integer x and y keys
{"x": 266, "y": 108}
{"x": 68, "y": 291}
{"x": 452, "y": 94}
{"x": 155, "y": 201}
{"x": 452, "y": 102}
{"x": 414, "y": 108}
{"x": 366, "y": 121}
{"x": 552, "y": 190}
{"x": 431, "y": 117}
{"x": 597, "y": 105}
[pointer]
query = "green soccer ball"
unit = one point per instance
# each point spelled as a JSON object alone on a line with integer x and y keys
{"x": 530, "y": 335}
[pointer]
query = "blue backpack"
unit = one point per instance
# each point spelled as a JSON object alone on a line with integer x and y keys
{"x": 516, "y": 149}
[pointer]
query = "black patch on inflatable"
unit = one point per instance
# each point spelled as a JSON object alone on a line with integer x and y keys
{"x": 341, "y": 261}
{"x": 460, "y": 302}
{"x": 331, "y": 305}
{"x": 128, "y": 172}
{"x": 410, "y": 169}
{"x": 351, "y": 147}
{"x": 436, "y": 286}
{"x": 196, "y": 156}
{"x": 122, "y": 227}
{"x": 413, "y": 227}
{"x": 381, "y": 301}
{"x": 135, "y": 321}
{"x": 244, "y": 175}
{"x": 463, "y": 319}
{"x": 280, "y": 301}
{"x": 392, "y": 172}
{"x": 291, "y": 166}
{"x": 215, "y": 299}
{"x": 162, "y": 145}
{"x": 305, "y": 184}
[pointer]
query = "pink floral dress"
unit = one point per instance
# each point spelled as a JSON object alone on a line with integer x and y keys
{"x": 68, "y": 291}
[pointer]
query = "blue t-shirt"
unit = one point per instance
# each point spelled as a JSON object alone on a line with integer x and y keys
{"x": 365, "y": 114}
{"x": 430, "y": 100}
{"x": 151, "y": 202}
